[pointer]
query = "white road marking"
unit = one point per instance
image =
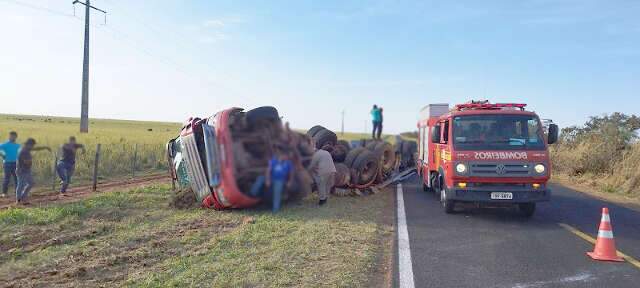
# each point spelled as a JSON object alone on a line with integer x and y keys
{"x": 405, "y": 267}
{"x": 583, "y": 277}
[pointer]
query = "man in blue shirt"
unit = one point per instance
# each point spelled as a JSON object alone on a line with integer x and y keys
{"x": 9, "y": 153}
{"x": 376, "y": 119}
{"x": 278, "y": 176}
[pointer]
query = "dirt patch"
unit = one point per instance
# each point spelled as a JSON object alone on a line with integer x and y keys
{"x": 184, "y": 199}
{"x": 104, "y": 263}
{"x": 73, "y": 194}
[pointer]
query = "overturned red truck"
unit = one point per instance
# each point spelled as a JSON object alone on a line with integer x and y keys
{"x": 220, "y": 159}
{"x": 485, "y": 154}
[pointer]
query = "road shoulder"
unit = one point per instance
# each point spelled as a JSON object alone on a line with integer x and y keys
{"x": 622, "y": 200}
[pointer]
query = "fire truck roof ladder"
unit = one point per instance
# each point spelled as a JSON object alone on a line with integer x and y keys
{"x": 489, "y": 106}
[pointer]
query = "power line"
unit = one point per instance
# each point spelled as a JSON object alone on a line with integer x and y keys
{"x": 128, "y": 40}
{"x": 39, "y": 8}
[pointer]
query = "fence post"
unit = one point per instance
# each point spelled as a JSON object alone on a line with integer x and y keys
{"x": 95, "y": 168}
{"x": 135, "y": 158}
{"x": 53, "y": 177}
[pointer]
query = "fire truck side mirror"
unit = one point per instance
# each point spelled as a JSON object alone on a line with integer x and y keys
{"x": 553, "y": 134}
{"x": 435, "y": 134}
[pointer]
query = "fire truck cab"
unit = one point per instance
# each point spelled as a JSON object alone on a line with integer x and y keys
{"x": 490, "y": 155}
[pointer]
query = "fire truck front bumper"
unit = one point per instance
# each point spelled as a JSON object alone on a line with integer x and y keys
{"x": 499, "y": 194}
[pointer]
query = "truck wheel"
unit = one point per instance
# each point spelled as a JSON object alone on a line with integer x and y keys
{"x": 324, "y": 137}
{"x": 264, "y": 113}
{"x": 352, "y": 156}
{"x": 345, "y": 143}
{"x": 527, "y": 209}
{"x": 339, "y": 153}
{"x": 366, "y": 166}
{"x": 314, "y": 130}
{"x": 448, "y": 205}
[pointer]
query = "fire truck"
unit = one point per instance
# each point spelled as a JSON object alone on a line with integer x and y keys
{"x": 485, "y": 154}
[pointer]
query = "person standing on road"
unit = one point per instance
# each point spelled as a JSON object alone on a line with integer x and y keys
{"x": 323, "y": 171}
{"x": 376, "y": 119}
{"x": 9, "y": 153}
{"x": 278, "y": 177}
{"x": 23, "y": 170}
{"x": 66, "y": 165}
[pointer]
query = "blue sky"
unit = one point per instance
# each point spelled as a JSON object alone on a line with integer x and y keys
{"x": 169, "y": 59}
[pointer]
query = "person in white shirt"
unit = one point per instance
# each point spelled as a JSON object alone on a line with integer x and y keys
{"x": 323, "y": 171}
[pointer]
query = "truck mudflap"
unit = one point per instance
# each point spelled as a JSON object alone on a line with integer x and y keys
{"x": 195, "y": 171}
{"x": 484, "y": 195}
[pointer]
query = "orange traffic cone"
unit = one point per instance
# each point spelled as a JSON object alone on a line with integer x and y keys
{"x": 605, "y": 249}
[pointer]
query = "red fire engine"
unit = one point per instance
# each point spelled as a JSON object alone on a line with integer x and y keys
{"x": 486, "y": 154}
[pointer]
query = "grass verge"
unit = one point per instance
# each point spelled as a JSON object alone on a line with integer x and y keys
{"x": 133, "y": 238}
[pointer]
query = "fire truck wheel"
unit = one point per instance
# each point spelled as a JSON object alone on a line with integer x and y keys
{"x": 527, "y": 209}
{"x": 314, "y": 130}
{"x": 448, "y": 205}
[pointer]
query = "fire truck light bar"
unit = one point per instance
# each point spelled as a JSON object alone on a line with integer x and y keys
{"x": 489, "y": 106}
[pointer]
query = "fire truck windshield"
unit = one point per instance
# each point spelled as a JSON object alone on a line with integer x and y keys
{"x": 497, "y": 132}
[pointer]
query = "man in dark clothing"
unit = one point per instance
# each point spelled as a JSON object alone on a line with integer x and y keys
{"x": 23, "y": 170}
{"x": 66, "y": 165}
{"x": 9, "y": 153}
{"x": 380, "y": 123}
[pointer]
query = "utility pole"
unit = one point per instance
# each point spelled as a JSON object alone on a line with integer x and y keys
{"x": 84, "y": 111}
{"x": 342, "y": 131}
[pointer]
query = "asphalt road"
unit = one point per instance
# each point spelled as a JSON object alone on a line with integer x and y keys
{"x": 500, "y": 248}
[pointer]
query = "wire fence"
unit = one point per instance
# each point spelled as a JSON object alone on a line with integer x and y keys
{"x": 114, "y": 161}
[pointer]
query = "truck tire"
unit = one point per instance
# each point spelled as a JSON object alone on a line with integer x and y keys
{"x": 447, "y": 204}
{"x": 260, "y": 114}
{"x": 339, "y": 153}
{"x": 324, "y": 137}
{"x": 345, "y": 144}
{"x": 398, "y": 146}
{"x": 314, "y": 130}
{"x": 372, "y": 145}
{"x": 384, "y": 151}
{"x": 343, "y": 175}
{"x": 527, "y": 209}
{"x": 366, "y": 168}
{"x": 352, "y": 156}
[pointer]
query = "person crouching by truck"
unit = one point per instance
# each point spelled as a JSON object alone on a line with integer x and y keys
{"x": 323, "y": 171}
{"x": 66, "y": 165}
{"x": 278, "y": 177}
{"x": 25, "y": 176}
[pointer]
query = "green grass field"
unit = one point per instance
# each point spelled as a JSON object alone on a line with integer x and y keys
{"x": 119, "y": 140}
{"x": 134, "y": 238}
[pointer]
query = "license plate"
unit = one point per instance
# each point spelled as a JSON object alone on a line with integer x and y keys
{"x": 501, "y": 195}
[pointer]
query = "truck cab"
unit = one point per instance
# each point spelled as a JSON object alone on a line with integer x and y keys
{"x": 485, "y": 154}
